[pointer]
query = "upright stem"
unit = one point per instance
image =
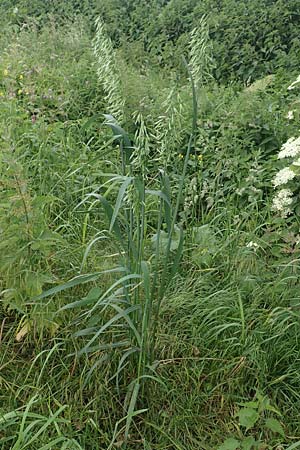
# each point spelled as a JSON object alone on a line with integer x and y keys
{"x": 164, "y": 279}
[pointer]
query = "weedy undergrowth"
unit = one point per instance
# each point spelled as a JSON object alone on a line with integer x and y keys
{"x": 25, "y": 248}
{"x": 252, "y": 414}
{"x": 24, "y": 428}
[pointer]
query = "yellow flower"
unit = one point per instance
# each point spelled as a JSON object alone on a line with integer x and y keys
{"x": 5, "y": 72}
{"x": 21, "y": 77}
{"x": 180, "y": 156}
{"x": 20, "y": 91}
{"x": 1, "y": 94}
{"x": 200, "y": 157}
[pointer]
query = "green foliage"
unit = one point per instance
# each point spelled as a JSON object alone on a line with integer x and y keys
{"x": 238, "y": 138}
{"x": 230, "y": 444}
{"x": 265, "y": 33}
{"x": 21, "y": 11}
{"x": 127, "y": 332}
{"x": 249, "y": 40}
{"x": 31, "y": 429}
{"x": 248, "y": 417}
{"x": 26, "y": 245}
{"x": 204, "y": 245}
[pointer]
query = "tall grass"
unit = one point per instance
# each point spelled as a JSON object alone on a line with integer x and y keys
{"x": 26, "y": 429}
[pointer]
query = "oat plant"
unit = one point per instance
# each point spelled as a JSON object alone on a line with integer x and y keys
{"x": 148, "y": 261}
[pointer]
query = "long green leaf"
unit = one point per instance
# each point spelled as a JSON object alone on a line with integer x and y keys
{"x": 107, "y": 325}
{"x": 178, "y": 254}
{"x": 131, "y": 408}
{"x": 49, "y": 421}
{"x": 119, "y": 200}
{"x": 122, "y": 364}
{"x": 109, "y": 212}
{"x": 88, "y": 249}
{"x": 160, "y": 194}
{"x": 81, "y": 279}
{"x": 92, "y": 297}
{"x": 122, "y": 281}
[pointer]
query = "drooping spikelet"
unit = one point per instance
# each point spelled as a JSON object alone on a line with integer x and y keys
{"x": 107, "y": 71}
{"x": 201, "y": 60}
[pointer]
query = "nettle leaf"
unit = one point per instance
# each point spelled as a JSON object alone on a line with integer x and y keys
{"x": 275, "y": 426}
{"x": 205, "y": 236}
{"x": 248, "y": 443}
{"x": 273, "y": 409}
{"x": 164, "y": 240}
{"x": 248, "y": 417}
{"x": 206, "y": 245}
{"x": 230, "y": 444}
{"x": 34, "y": 282}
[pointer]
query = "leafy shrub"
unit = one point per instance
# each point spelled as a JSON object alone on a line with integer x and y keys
{"x": 250, "y": 40}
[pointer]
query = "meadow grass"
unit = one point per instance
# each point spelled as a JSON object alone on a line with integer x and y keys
{"x": 205, "y": 324}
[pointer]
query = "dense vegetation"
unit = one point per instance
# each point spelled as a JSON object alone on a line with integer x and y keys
{"x": 149, "y": 290}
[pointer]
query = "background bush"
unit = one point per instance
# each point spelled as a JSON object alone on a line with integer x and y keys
{"x": 250, "y": 39}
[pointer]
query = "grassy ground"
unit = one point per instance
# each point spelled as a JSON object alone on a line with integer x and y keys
{"x": 228, "y": 325}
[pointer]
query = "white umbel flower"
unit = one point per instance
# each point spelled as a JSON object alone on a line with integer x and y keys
{"x": 253, "y": 245}
{"x": 283, "y": 176}
{"x": 290, "y": 149}
{"x": 282, "y": 202}
{"x": 294, "y": 84}
{"x": 297, "y": 162}
{"x": 290, "y": 115}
